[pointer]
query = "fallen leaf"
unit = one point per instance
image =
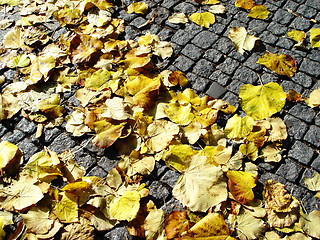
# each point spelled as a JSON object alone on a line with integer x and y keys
{"x": 107, "y": 133}
{"x": 313, "y": 183}
{"x": 218, "y": 9}
{"x": 259, "y": 12}
{"x": 238, "y": 128}
{"x": 294, "y": 96}
{"x": 176, "y": 223}
{"x": 261, "y": 102}
{"x": 66, "y": 210}
{"x": 246, "y": 4}
{"x": 241, "y": 39}
{"x": 309, "y": 223}
{"x": 10, "y": 157}
{"x": 138, "y": 7}
{"x": 126, "y": 207}
{"x": 75, "y": 123}
{"x": 270, "y": 153}
{"x": 298, "y": 36}
{"x": 78, "y": 231}
{"x": 314, "y": 98}
{"x": 250, "y": 150}
{"x": 315, "y": 37}
{"x": 204, "y": 19}
{"x": 282, "y": 64}
{"x": 19, "y": 61}
{"x": 178, "y": 18}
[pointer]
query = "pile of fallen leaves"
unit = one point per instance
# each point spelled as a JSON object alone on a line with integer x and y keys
{"x": 126, "y": 102}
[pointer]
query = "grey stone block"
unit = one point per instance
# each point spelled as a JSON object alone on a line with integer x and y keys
{"x": 170, "y": 178}
{"x": 159, "y": 192}
{"x": 289, "y": 170}
{"x": 217, "y": 28}
{"x": 89, "y": 146}
{"x": 251, "y": 62}
{"x": 235, "y": 86}
{"x": 162, "y": 15}
{"x": 215, "y": 90}
{"x": 181, "y": 37}
{"x": 301, "y": 152}
{"x": 49, "y": 134}
{"x": 285, "y": 43}
{"x": 316, "y": 163}
{"x": 224, "y": 45}
{"x": 137, "y": 22}
{"x": 3, "y": 130}
{"x": 165, "y": 34}
{"x": 220, "y": 78}
{"x": 192, "y": 51}
{"x": 205, "y": 39}
{"x": 106, "y": 163}
{"x": 314, "y": 54}
{"x": 313, "y": 3}
{"x": 229, "y": 66}
{"x": 313, "y": 136}
{"x": 277, "y": 29}
{"x": 184, "y": 7}
{"x": 291, "y": 5}
{"x": 287, "y": 85}
{"x": 119, "y": 233}
{"x": 203, "y": 68}
{"x": 197, "y": 83}
{"x": 302, "y": 112}
{"x": 62, "y": 143}
{"x": 245, "y": 75}
{"x": 131, "y": 32}
{"x": 213, "y": 55}
{"x": 26, "y": 126}
{"x": 97, "y": 171}
{"x": 183, "y": 63}
{"x": 295, "y": 127}
{"x": 84, "y": 159}
{"x": 283, "y": 17}
{"x": 302, "y": 79}
{"x": 232, "y": 99}
{"x": 28, "y": 148}
{"x": 307, "y": 12}
{"x": 310, "y": 67}
{"x": 300, "y": 23}
{"x": 258, "y": 26}
{"x": 268, "y": 37}
{"x": 14, "y": 137}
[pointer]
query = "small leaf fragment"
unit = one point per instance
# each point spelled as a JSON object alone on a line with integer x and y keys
{"x": 246, "y": 4}
{"x": 313, "y": 183}
{"x": 178, "y": 18}
{"x": 315, "y": 37}
{"x": 314, "y": 99}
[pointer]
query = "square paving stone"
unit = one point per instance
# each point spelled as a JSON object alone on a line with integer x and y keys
{"x": 224, "y": 45}
{"x": 184, "y": 7}
{"x": 13, "y": 137}
{"x": 26, "y": 126}
{"x": 203, "y": 68}
{"x": 97, "y": 171}
{"x": 307, "y": 12}
{"x": 229, "y": 66}
{"x": 258, "y": 25}
{"x": 289, "y": 85}
{"x": 84, "y": 159}
{"x": 197, "y": 83}
{"x": 283, "y": 17}
{"x": 289, "y": 170}
{"x": 232, "y": 99}
{"x": 301, "y": 152}
{"x": 302, "y": 79}
{"x": 316, "y": 163}
{"x": 216, "y": 90}
{"x": 245, "y": 75}
{"x": 220, "y": 78}
{"x": 192, "y": 51}
{"x": 313, "y": 3}
{"x": 205, "y": 39}
{"x": 183, "y": 63}
{"x": 27, "y": 148}
{"x": 300, "y": 23}
{"x": 213, "y": 55}
{"x": 313, "y": 136}
{"x": 302, "y": 112}
{"x": 295, "y": 127}
{"x": 310, "y": 67}
{"x": 277, "y": 29}
{"x": 182, "y": 37}
{"x": 62, "y": 143}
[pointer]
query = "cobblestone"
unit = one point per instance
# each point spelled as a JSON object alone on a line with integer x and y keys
{"x": 302, "y": 112}
{"x": 62, "y": 143}
{"x": 289, "y": 170}
{"x": 301, "y": 152}
{"x": 302, "y": 79}
{"x": 203, "y": 68}
{"x": 205, "y": 39}
{"x": 192, "y": 51}
{"x": 313, "y": 136}
{"x": 310, "y": 67}
{"x": 295, "y": 127}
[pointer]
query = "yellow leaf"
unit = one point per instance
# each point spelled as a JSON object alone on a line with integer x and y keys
{"x": 178, "y": 77}
{"x": 176, "y": 156}
{"x": 315, "y": 37}
{"x": 160, "y": 134}
{"x": 204, "y": 19}
{"x": 126, "y": 207}
{"x": 51, "y": 106}
{"x": 241, "y": 184}
{"x": 259, "y": 12}
{"x": 261, "y": 102}
{"x": 241, "y": 39}
{"x": 98, "y": 18}
{"x": 13, "y": 39}
{"x": 193, "y": 132}
{"x": 153, "y": 224}
{"x": 238, "y": 128}
{"x": 297, "y": 36}
{"x": 278, "y": 130}
{"x": 107, "y": 133}
{"x": 10, "y": 2}
{"x": 178, "y": 18}
{"x": 250, "y": 150}
{"x": 314, "y": 98}
{"x": 10, "y": 157}
{"x": 246, "y": 4}
{"x": 207, "y": 1}
{"x": 138, "y": 7}
{"x": 116, "y": 108}
{"x": 201, "y": 186}
{"x": 218, "y": 9}
{"x": 19, "y": 61}
{"x": 8, "y": 105}
{"x": 270, "y": 153}
{"x": 68, "y": 16}
{"x": 282, "y": 64}
{"x": 310, "y": 223}
{"x": 82, "y": 230}
{"x": 2, "y": 232}
{"x": 294, "y": 96}
{"x": 66, "y": 210}
{"x": 98, "y": 80}
{"x": 313, "y": 183}
{"x": 75, "y": 124}
{"x": 179, "y": 114}
{"x": 176, "y": 223}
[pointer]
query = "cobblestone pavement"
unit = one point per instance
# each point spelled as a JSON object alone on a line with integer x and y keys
{"x": 213, "y": 67}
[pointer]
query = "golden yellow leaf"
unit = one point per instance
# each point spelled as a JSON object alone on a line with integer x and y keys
{"x": 194, "y": 131}
{"x": 204, "y": 19}
{"x": 259, "y": 12}
{"x": 126, "y": 207}
{"x": 176, "y": 223}
{"x": 138, "y": 7}
{"x": 177, "y": 156}
{"x": 19, "y": 61}
{"x": 10, "y": 157}
{"x": 154, "y": 224}
{"x": 282, "y": 64}
{"x": 246, "y": 4}
{"x": 261, "y": 102}
{"x": 179, "y": 114}
{"x": 315, "y": 37}
{"x": 218, "y": 9}
{"x": 241, "y": 39}
{"x": 250, "y": 150}
{"x": 270, "y": 153}
{"x": 98, "y": 80}
{"x": 107, "y": 133}
{"x": 298, "y": 36}
{"x": 294, "y": 96}
{"x": 66, "y": 210}
{"x": 313, "y": 183}
{"x": 238, "y": 128}
{"x": 314, "y": 98}
{"x": 8, "y": 105}
{"x": 116, "y": 108}
{"x": 207, "y": 1}
{"x": 68, "y": 16}
{"x": 2, "y": 232}
{"x": 51, "y": 106}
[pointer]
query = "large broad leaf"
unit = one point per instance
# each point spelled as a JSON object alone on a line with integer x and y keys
{"x": 310, "y": 223}
{"x": 241, "y": 184}
{"x": 126, "y": 207}
{"x": 282, "y": 64}
{"x": 201, "y": 186}
{"x": 10, "y": 157}
{"x": 51, "y": 106}
{"x": 261, "y": 102}
{"x": 204, "y": 19}
{"x": 107, "y": 133}
{"x": 313, "y": 183}
{"x": 241, "y": 39}
{"x": 66, "y": 210}
{"x": 259, "y": 12}
{"x": 276, "y": 196}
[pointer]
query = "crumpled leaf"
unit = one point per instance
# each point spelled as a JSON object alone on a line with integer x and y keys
{"x": 75, "y": 123}
{"x": 315, "y": 37}
{"x": 126, "y": 207}
{"x": 238, "y": 128}
{"x": 194, "y": 131}
{"x": 19, "y": 61}
{"x": 10, "y": 2}
{"x": 278, "y": 131}
{"x": 8, "y": 105}
{"x": 68, "y": 16}
{"x": 294, "y": 96}
{"x": 204, "y": 19}
{"x": 259, "y": 12}
{"x": 71, "y": 171}
{"x": 66, "y": 210}
{"x": 176, "y": 223}
{"x": 310, "y": 223}
{"x": 10, "y": 157}
{"x": 240, "y": 185}
{"x": 138, "y": 7}
{"x": 270, "y": 153}
{"x": 107, "y": 133}
{"x": 179, "y": 114}
{"x": 298, "y": 36}
{"x": 241, "y": 39}
{"x": 249, "y": 227}
{"x": 78, "y": 231}
{"x": 261, "y": 102}
{"x": 98, "y": 18}
{"x": 283, "y": 219}
{"x": 246, "y": 4}
{"x": 154, "y": 223}
{"x": 160, "y": 134}
{"x": 178, "y": 18}
{"x": 282, "y": 64}
{"x": 314, "y": 98}
{"x": 200, "y": 192}
{"x": 116, "y": 108}
{"x": 51, "y": 106}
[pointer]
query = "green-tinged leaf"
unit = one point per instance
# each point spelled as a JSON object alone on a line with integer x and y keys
{"x": 261, "y": 102}
{"x": 310, "y": 223}
{"x": 313, "y": 183}
{"x": 315, "y": 37}
{"x": 19, "y": 61}
{"x": 238, "y": 128}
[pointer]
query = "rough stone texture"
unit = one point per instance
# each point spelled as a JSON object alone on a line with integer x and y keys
{"x": 301, "y": 152}
{"x": 313, "y": 136}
